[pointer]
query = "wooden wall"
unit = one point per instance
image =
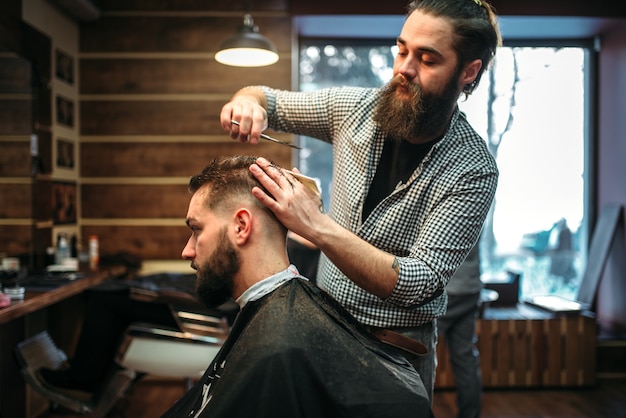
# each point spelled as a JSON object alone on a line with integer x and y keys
{"x": 150, "y": 96}
{"x": 147, "y": 115}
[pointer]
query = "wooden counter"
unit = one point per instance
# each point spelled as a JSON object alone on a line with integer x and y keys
{"x": 523, "y": 346}
{"x": 36, "y": 300}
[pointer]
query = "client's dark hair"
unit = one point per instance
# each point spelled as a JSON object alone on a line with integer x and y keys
{"x": 230, "y": 181}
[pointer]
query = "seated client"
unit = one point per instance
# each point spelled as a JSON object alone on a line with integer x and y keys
{"x": 293, "y": 351}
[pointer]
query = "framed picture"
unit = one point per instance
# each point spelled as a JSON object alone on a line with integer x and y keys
{"x": 65, "y": 153}
{"x": 65, "y": 111}
{"x": 64, "y": 68}
{"x": 63, "y": 203}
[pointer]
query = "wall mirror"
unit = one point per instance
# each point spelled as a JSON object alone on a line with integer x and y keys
{"x": 25, "y": 144}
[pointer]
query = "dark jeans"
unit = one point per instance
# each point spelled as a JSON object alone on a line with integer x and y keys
{"x": 458, "y": 326}
{"x": 425, "y": 365}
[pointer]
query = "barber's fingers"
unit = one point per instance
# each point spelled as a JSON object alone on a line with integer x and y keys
{"x": 272, "y": 177}
{"x": 290, "y": 201}
{"x": 273, "y": 195}
{"x": 281, "y": 194}
{"x": 251, "y": 120}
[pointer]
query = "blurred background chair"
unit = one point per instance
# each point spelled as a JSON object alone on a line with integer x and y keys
{"x": 145, "y": 349}
{"x": 183, "y": 353}
{"x": 41, "y": 351}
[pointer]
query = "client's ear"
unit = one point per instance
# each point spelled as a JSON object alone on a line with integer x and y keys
{"x": 242, "y": 226}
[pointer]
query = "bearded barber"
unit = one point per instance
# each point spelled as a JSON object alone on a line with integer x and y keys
{"x": 413, "y": 181}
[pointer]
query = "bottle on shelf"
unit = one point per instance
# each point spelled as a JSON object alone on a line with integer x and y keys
{"x": 93, "y": 252}
{"x": 62, "y": 250}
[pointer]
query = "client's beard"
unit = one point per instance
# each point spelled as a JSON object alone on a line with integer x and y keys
{"x": 214, "y": 283}
{"x": 422, "y": 115}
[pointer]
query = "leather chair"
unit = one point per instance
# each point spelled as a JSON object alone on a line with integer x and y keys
{"x": 182, "y": 353}
{"x": 40, "y": 351}
{"x": 145, "y": 349}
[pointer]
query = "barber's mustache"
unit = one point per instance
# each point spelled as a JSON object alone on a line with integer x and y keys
{"x": 401, "y": 81}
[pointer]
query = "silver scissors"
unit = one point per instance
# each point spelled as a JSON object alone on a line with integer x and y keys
{"x": 269, "y": 138}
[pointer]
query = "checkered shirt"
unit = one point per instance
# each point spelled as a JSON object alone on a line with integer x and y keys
{"x": 430, "y": 222}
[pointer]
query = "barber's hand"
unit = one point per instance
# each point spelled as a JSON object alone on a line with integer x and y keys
{"x": 252, "y": 118}
{"x": 298, "y": 207}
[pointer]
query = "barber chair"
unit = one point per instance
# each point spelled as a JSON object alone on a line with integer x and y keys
{"x": 184, "y": 353}
{"x": 146, "y": 349}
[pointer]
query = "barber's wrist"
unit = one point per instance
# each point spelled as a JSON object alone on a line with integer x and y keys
{"x": 253, "y": 94}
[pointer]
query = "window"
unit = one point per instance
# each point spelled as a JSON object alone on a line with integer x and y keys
{"x": 531, "y": 108}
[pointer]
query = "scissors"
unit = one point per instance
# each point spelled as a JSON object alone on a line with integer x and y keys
{"x": 269, "y": 138}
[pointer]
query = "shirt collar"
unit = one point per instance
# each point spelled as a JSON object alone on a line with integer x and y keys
{"x": 267, "y": 285}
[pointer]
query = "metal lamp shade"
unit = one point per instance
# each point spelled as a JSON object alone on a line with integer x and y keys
{"x": 247, "y": 47}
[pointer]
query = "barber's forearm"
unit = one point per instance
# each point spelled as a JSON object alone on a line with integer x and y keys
{"x": 368, "y": 267}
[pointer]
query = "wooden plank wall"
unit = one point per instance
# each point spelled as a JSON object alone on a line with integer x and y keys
{"x": 150, "y": 91}
{"x": 150, "y": 96}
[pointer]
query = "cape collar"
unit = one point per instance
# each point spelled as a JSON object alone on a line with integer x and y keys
{"x": 267, "y": 285}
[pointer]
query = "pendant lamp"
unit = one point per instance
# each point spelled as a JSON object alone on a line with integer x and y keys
{"x": 247, "y": 47}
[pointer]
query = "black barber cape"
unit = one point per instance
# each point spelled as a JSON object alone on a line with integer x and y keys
{"x": 296, "y": 352}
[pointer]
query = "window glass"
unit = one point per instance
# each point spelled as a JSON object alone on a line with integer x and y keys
{"x": 530, "y": 108}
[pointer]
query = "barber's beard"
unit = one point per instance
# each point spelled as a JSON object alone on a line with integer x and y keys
{"x": 421, "y": 115}
{"x": 214, "y": 283}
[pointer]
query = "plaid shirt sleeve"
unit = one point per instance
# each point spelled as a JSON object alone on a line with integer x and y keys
{"x": 430, "y": 223}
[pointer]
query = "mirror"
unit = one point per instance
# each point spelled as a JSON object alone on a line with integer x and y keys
{"x": 16, "y": 126}
{"x": 25, "y": 145}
